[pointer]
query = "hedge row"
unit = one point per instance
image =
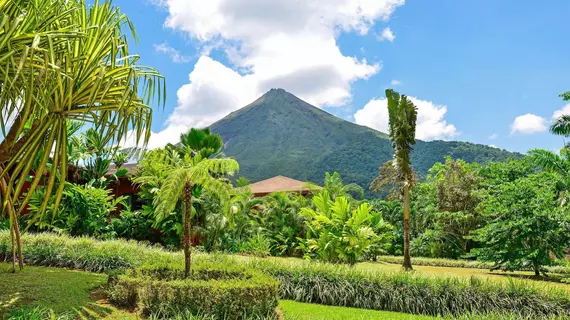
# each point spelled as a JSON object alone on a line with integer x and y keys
{"x": 221, "y": 290}
{"x": 53, "y": 250}
{"x": 438, "y": 262}
{"x": 413, "y": 293}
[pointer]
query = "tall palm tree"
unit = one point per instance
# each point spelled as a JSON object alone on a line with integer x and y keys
{"x": 402, "y": 117}
{"x": 182, "y": 175}
{"x": 63, "y": 61}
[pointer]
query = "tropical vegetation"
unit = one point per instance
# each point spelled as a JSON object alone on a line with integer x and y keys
{"x": 194, "y": 241}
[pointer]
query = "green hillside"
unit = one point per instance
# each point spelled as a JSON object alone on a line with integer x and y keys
{"x": 280, "y": 134}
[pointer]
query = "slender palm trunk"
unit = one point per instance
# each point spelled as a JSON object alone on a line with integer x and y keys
{"x": 187, "y": 228}
{"x": 407, "y": 260}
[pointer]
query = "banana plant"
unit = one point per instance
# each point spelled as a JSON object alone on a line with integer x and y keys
{"x": 339, "y": 233}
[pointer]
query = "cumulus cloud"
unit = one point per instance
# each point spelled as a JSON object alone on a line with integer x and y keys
{"x": 564, "y": 111}
{"x": 270, "y": 44}
{"x": 529, "y": 123}
{"x": 175, "y": 55}
{"x": 396, "y": 83}
{"x": 387, "y": 34}
{"x": 431, "y": 124}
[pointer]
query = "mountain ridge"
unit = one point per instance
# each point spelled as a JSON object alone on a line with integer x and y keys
{"x": 280, "y": 134}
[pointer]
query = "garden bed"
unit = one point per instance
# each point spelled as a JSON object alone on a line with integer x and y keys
{"x": 221, "y": 291}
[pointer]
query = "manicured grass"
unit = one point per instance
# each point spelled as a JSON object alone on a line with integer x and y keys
{"x": 63, "y": 291}
{"x": 306, "y": 311}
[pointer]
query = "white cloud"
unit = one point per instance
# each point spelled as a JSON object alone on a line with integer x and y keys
{"x": 528, "y": 124}
{"x": 564, "y": 111}
{"x": 175, "y": 55}
{"x": 396, "y": 83}
{"x": 431, "y": 122}
{"x": 493, "y": 136}
{"x": 270, "y": 44}
{"x": 387, "y": 34}
{"x": 157, "y": 139}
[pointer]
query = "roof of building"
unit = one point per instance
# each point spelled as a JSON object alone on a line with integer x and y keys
{"x": 131, "y": 168}
{"x": 279, "y": 184}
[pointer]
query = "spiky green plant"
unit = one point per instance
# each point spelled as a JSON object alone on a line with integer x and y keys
{"x": 63, "y": 61}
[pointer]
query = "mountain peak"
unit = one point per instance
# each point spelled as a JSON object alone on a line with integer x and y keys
{"x": 279, "y": 93}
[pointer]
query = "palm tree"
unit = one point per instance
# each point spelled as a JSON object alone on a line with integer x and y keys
{"x": 561, "y": 126}
{"x": 402, "y": 117}
{"x": 556, "y": 163}
{"x": 64, "y": 61}
{"x": 182, "y": 175}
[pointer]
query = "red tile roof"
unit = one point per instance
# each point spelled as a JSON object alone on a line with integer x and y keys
{"x": 279, "y": 184}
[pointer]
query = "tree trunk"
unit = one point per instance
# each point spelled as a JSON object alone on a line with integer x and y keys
{"x": 187, "y": 228}
{"x": 407, "y": 260}
{"x": 13, "y": 237}
{"x": 13, "y": 215}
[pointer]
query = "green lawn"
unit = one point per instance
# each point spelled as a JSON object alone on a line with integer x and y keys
{"x": 63, "y": 291}
{"x": 306, "y": 311}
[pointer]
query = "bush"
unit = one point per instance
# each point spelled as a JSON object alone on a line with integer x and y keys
{"x": 221, "y": 289}
{"x": 52, "y": 250}
{"x": 257, "y": 245}
{"x": 412, "y": 293}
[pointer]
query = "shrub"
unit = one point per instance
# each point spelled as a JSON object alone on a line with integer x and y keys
{"x": 412, "y": 293}
{"x": 222, "y": 289}
{"x": 257, "y": 245}
{"x": 84, "y": 210}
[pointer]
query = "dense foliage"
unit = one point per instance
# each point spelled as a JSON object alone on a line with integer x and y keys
{"x": 526, "y": 226}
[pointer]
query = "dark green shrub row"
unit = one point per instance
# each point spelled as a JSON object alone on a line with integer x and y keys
{"x": 53, "y": 250}
{"x": 437, "y": 262}
{"x": 222, "y": 290}
{"x": 412, "y": 293}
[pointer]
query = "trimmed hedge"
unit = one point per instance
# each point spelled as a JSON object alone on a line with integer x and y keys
{"x": 53, "y": 250}
{"x": 413, "y": 293}
{"x": 221, "y": 290}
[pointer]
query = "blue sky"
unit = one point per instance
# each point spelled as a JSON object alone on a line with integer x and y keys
{"x": 472, "y": 67}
